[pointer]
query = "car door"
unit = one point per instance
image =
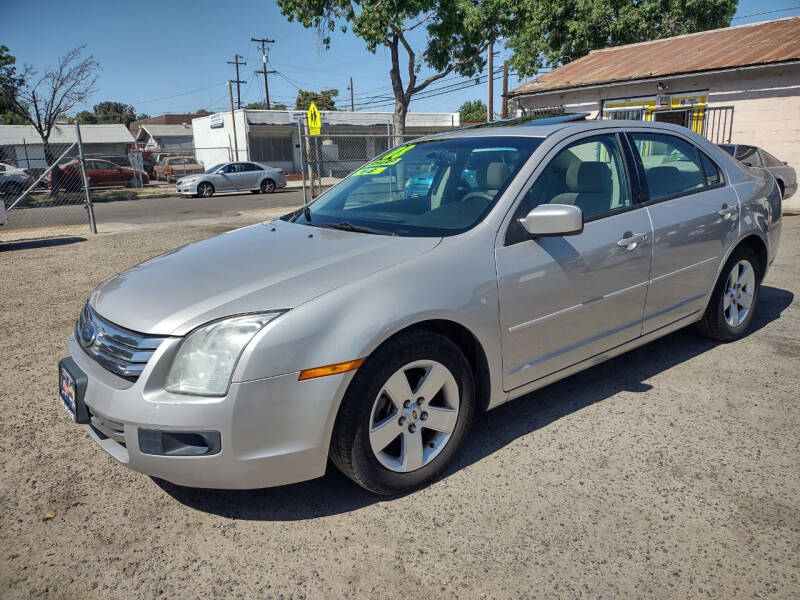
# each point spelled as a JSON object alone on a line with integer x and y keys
{"x": 250, "y": 176}
{"x": 226, "y": 178}
{"x": 564, "y": 299}
{"x": 695, "y": 219}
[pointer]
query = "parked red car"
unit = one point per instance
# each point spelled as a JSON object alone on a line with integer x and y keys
{"x": 101, "y": 173}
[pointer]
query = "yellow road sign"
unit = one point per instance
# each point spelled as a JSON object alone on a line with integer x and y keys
{"x": 314, "y": 120}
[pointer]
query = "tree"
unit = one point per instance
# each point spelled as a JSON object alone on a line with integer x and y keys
{"x": 263, "y": 106}
{"x": 85, "y": 117}
{"x": 202, "y": 111}
{"x": 324, "y": 99}
{"x": 115, "y": 112}
{"x": 142, "y": 117}
{"x": 9, "y": 80}
{"x": 457, "y": 34}
{"x": 473, "y": 110}
{"x": 559, "y": 31}
{"x": 39, "y": 99}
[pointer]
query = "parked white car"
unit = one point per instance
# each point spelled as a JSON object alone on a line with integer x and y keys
{"x": 13, "y": 180}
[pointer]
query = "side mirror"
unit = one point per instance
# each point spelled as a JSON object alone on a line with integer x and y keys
{"x": 553, "y": 220}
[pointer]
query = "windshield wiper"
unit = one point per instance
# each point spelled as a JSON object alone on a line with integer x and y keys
{"x": 345, "y": 226}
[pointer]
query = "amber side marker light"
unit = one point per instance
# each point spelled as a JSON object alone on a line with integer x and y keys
{"x": 350, "y": 365}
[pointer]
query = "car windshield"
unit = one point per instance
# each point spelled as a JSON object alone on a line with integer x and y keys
{"x": 424, "y": 188}
{"x": 215, "y": 167}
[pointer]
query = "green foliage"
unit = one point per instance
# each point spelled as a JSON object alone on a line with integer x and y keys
{"x": 324, "y": 99}
{"x": 473, "y": 110}
{"x": 85, "y": 117}
{"x": 142, "y": 117}
{"x": 559, "y": 31}
{"x": 456, "y": 33}
{"x": 263, "y": 106}
{"x": 114, "y": 112}
{"x": 9, "y": 83}
{"x": 202, "y": 111}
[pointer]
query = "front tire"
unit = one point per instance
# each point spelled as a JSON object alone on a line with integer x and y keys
{"x": 405, "y": 414}
{"x": 205, "y": 190}
{"x": 735, "y": 297}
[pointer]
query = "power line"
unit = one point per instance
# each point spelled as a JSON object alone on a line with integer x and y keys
{"x": 766, "y": 12}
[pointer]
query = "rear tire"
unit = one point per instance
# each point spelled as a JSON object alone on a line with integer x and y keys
{"x": 734, "y": 299}
{"x": 267, "y": 186}
{"x": 205, "y": 190}
{"x": 418, "y": 390}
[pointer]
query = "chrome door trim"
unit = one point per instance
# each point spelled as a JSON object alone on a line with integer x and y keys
{"x": 526, "y": 324}
{"x": 682, "y": 269}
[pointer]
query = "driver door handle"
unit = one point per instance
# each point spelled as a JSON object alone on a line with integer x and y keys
{"x": 727, "y": 211}
{"x": 630, "y": 242}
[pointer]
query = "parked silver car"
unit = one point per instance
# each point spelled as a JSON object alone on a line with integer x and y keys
{"x": 753, "y": 156}
{"x": 232, "y": 177}
{"x": 13, "y": 180}
{"x": 371, "y": 325}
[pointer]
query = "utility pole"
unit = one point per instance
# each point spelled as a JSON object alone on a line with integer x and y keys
{"x": 233, "y": 120}
{"x": 504, "y": 112}
{"x": 490, "y": 82}
{"x": 352, "y": 105}
{"x": 264, "y": 42}
{"x": 238, "y": 82}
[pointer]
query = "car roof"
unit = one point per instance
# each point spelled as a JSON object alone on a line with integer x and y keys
{"x": 543, "y": 129}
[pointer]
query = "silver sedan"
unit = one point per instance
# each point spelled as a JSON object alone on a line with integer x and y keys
{"x": 372, "y": 325}
{"x": 232, "y": 177}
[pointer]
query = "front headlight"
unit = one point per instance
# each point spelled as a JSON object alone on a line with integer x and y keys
{"x": 206, "y": 358}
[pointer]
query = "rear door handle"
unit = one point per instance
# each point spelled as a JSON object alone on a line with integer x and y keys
{"x": 630, "y": 242}
{"x": 727, "y": 211}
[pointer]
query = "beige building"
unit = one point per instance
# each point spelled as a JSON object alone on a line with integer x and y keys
{"x": 738, "y": 85}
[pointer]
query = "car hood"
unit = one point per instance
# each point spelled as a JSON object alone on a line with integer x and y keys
{"x": 268, "y": 266}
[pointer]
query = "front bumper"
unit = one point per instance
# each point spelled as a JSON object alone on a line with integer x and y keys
{"x": 272, "y": 431}
{"x": 187, "y": 189}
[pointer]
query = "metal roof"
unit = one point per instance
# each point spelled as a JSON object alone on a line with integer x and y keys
{"x": 61, "y": 134}
{"x": 157, "y": 129}
{"x": 765, "y": 43}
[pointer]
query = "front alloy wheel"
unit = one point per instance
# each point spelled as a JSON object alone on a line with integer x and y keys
{"x": 410, "y": 426}
{"x": 205, "y": 190}
{"x": 405, "y": 413}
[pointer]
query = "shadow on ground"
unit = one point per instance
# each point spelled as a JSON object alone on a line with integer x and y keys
{"x": 334, "y": 493}
{"x": 43, "y": 243}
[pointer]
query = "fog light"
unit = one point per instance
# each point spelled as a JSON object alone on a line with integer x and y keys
{"x": 179, "y": 443}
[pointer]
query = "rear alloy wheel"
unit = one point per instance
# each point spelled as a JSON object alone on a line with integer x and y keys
{"x": 267, "y": 186}
{"x": 205, "y": 190}
{"x": 405, "y": 414}
{"x": 734, "y": 299}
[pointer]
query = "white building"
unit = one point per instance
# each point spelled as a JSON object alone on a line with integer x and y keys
{"x": 738, "y": 84}
{"x": 21, "y": 145}
{"x": 272, "y": 136}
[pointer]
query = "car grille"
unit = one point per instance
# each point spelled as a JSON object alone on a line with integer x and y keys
{"x": 119, "y": 350}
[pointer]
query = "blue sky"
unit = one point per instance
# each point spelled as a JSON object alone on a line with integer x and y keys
{"x": 170, "y": 56}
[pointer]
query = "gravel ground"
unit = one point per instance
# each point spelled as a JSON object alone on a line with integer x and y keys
{"x": 669, "y": 472}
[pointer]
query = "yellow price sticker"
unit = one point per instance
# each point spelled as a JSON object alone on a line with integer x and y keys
{"x": 370, "y": 170}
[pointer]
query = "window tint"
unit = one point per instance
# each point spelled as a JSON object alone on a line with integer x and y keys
{"x": 243, "y": 167}
{"x": 749, "y": 156}
{"x": 229, "y": 168}
{"x": 671, "y": 164}
{"x": 713, "y": 175}
{"x": 589, "y": 173}
{"x": 770, "y": 160}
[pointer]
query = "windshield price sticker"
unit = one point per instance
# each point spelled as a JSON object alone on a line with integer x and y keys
{"x": 379, "y": 165}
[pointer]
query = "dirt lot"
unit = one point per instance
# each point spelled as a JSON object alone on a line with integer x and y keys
{"x": 670, "y": 472}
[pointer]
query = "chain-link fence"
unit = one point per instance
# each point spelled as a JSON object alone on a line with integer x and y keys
{"x": 330, "y": 157}
{"x": 43, "y": 190}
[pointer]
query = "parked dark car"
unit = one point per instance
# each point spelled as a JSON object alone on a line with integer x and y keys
{"x": 101, "y": 173}
{"x": 752, "y": 156}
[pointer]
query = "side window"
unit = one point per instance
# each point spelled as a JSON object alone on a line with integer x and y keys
{"x": 671, "y": 165}
{"x": 713, "y": 176}
{"x": 749, "y": 156}
{"x": 770, "y": 160}
{"x": 589, "y": 173}
{"x": 229, "y": 168}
